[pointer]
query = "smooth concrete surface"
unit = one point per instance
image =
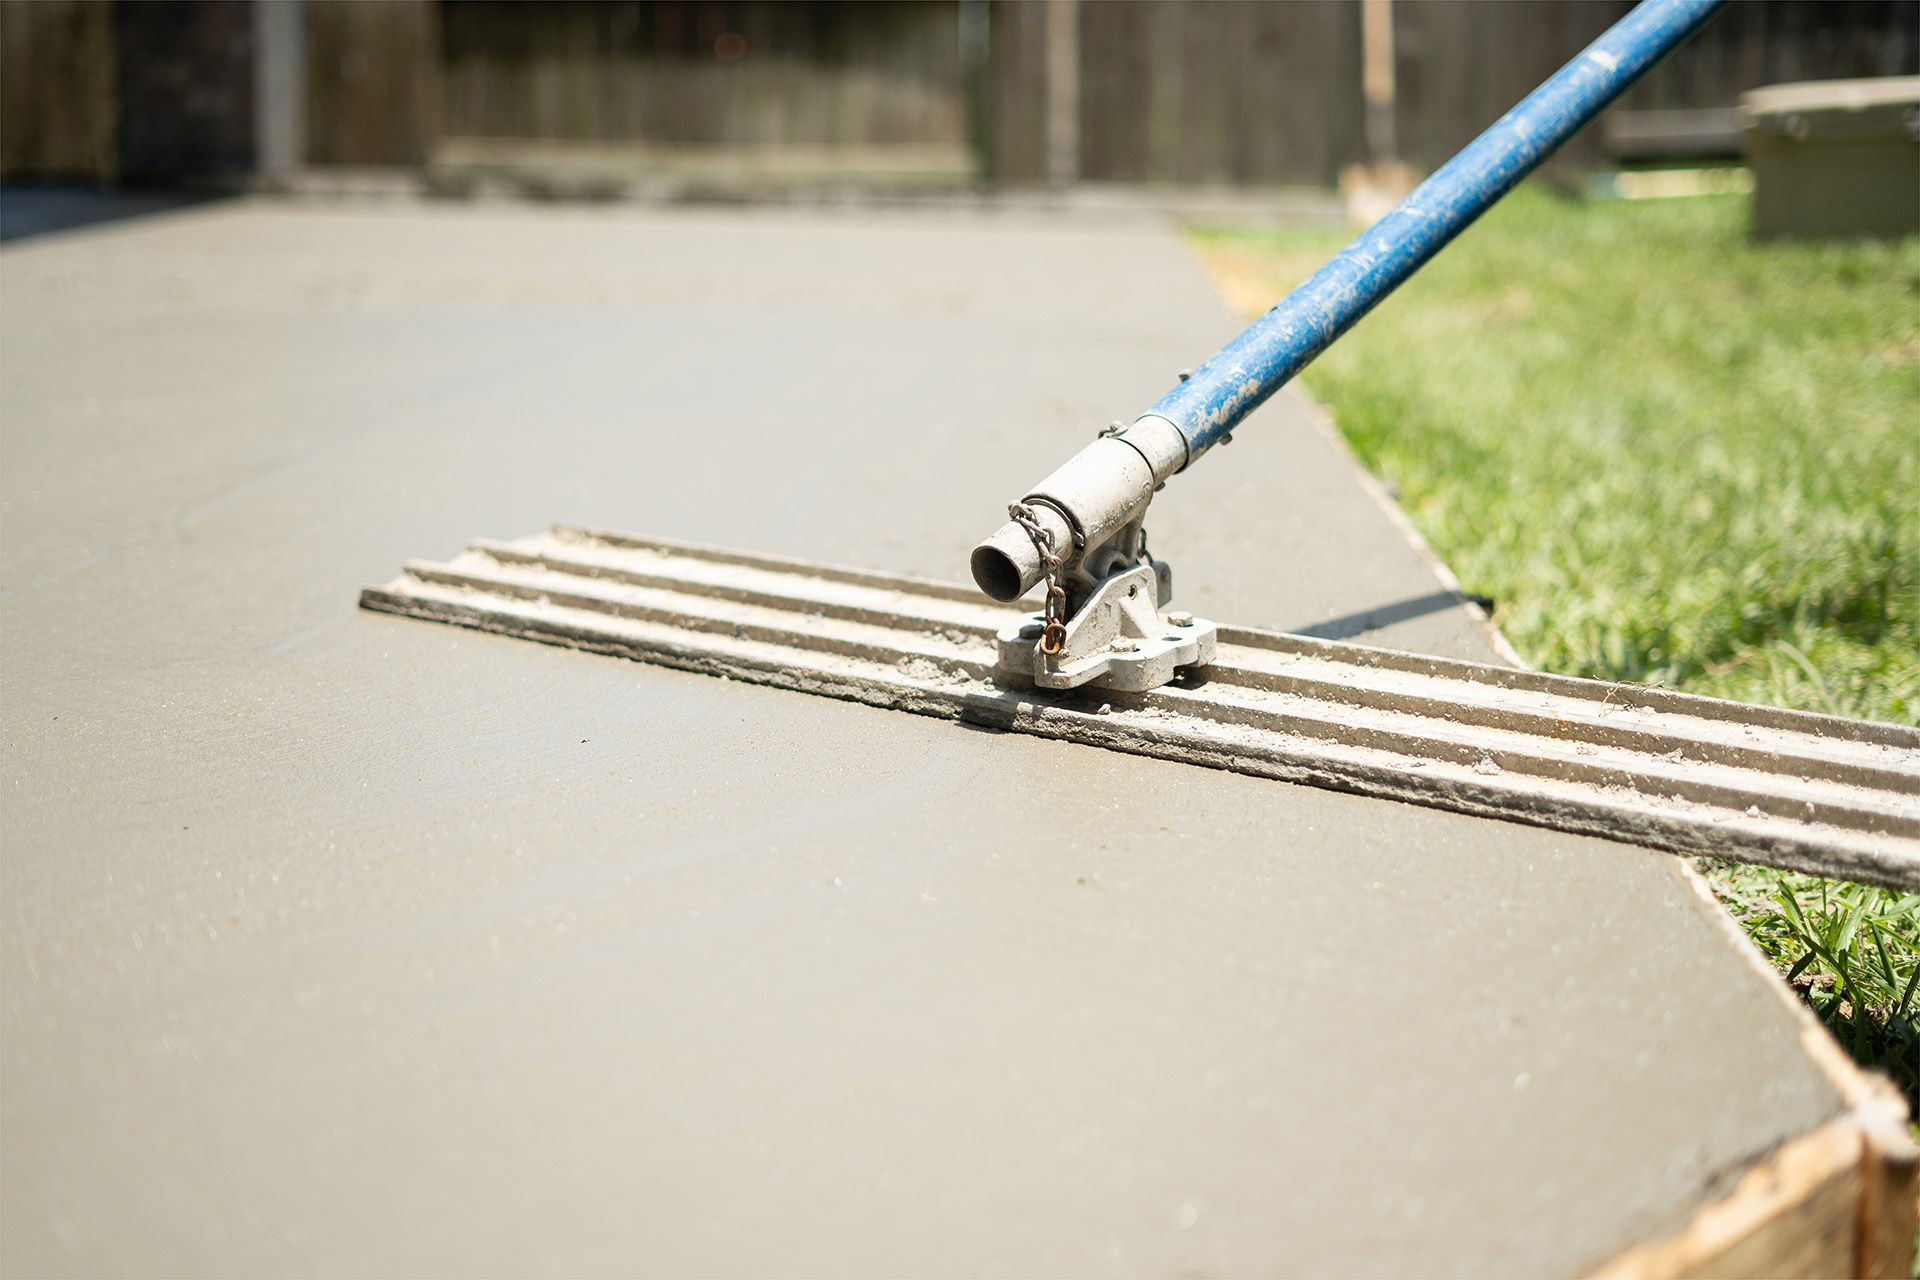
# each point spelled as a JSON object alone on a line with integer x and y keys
{"x": 340, "y": 943}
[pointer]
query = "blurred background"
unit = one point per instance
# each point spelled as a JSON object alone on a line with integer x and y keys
{"x": 724, "y": 97}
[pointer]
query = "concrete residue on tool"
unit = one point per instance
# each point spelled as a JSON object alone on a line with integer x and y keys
{"x": 1649, "y": 766}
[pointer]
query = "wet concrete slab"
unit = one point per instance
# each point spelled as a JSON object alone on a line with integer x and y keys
{"x": 346, "y": 943}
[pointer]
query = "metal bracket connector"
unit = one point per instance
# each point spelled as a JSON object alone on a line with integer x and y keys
{"x": 1119, "y": 639}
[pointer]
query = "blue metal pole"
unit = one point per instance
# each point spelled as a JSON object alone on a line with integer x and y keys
{"x": 1235, "y": 382}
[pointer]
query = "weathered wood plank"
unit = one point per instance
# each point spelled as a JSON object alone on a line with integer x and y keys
{"x": 1017, "y": 89}
{"x": 373, "y": 75}
{"x": 1460, "y": 63}
{"x": 1835, "y": 1202}
{"x": 1796, "y": 1214}
{"x": 1213, "y": 91}
{"x": 57, "y": 93}
{"x": 743, "y": 73}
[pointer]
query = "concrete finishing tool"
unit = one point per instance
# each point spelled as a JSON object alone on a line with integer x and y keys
{"x": 1669, "y": 770}
{"x": 1105, "y": 662}
{"x": 1081, "y": 530}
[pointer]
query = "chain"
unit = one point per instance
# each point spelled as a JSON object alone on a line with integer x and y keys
{"x": 1053, "y": 637}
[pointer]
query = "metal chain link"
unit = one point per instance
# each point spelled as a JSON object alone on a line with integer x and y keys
{"x": 1053, "y": 637}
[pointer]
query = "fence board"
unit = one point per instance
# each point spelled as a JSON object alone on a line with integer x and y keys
{"x": 1017, "y": 90}
{"x": 1213, "y": 91}
{"x": 713, "y": 73}
{"x": 372, "y": 81}
{"x": 185, "y": 89}
{"x": 1219, "y": 91}
{"x": 58, "y": 99}
{"x": 1461, "y": 63}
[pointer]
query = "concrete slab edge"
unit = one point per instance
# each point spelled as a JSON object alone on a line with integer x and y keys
{"x": 1784, "y": 1186}
{"x": 1886, "y": 1194}
{"x": 1838, "y": 1201}
{"x": 1324, "y": 422}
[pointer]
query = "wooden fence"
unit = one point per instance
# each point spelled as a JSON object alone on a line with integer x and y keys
{"x": 373, "y": 82}
{"x": 1239, "y": 92}
{"x": 759, "y": 73}
{"x": 99, "y": 91}
{"x": 58, "y": 102}
{"x": 1020, "y": 91}
{"x": 1219, "y": 91}
{"x": 1460, "y": 63}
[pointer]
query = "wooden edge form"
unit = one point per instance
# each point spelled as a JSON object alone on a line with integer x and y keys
{"x": 1794, "y": 1214}
{"x": 1890, "y": 1191}
{"x": 1839, "y": 1201}
{"x": 1889, "y": 1160}
{"x": 1842, "y": 1200}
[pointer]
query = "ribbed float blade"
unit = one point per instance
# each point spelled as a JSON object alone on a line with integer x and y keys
{"x": 1694, "y": 775}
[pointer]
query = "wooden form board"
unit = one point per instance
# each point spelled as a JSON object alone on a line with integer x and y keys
{"x": 1840, "y": 1200}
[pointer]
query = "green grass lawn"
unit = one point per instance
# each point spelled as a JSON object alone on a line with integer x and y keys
{"x": 1675, "y": 455}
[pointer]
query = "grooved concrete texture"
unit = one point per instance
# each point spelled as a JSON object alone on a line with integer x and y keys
{"x": 343, "y": 943}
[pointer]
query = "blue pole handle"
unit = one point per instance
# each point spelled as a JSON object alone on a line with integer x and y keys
{"x": 1235, "y": 382}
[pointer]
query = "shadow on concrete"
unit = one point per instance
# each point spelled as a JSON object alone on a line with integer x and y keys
{"x": 29, "y": 210}
{"x": 1349, "y": 625}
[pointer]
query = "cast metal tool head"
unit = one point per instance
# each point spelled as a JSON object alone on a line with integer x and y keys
{"x": 1082, "y": 531}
